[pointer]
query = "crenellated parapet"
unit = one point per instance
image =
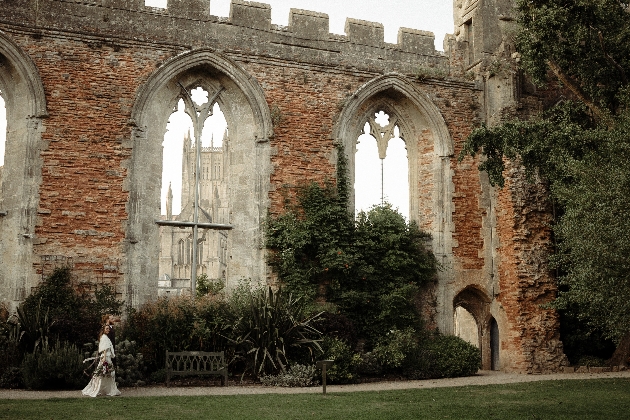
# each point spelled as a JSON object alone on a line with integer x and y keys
{"x": 248, "y": 30}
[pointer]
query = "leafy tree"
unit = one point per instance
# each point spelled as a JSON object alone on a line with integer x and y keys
{"x": 580, "y": 147}
{"x": 70, "y": 316}
{"x": 371, "y": 268}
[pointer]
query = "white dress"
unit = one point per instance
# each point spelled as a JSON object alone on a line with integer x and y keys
{"x": 104, "y": 378}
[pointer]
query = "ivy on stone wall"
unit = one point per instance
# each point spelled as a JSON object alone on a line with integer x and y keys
{"x": 580, "y": 147}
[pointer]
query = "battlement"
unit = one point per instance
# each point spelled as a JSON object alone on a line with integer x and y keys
{"x": 133, "y": 14}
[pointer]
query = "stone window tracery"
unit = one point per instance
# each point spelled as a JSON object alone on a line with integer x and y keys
{"x": 178, "y": 172}
{"x": 381, "y": 146}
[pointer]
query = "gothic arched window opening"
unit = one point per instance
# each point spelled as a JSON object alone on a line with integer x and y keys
{"x": 381, "y": 165}
{"x": 179, "y": 190}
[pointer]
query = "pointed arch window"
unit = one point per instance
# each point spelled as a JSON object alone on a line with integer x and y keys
{"x": 381, "y": 165}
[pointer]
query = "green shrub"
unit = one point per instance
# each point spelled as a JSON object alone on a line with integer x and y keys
{"x": 446, "y": 356}
{"x": 182, "y": 324}
{"x": 338, "y": 325}
{"x": 73, "y": 317}
{"x": 11, "y": 378}
{"x": 130, "y": 370}
{"x": 208, "y": 286}
{"x": 297, "y": 376}
{"x": 345, "y": 362}
{"x": 10, "y": 357}
{"x": 395, "y": 349}
{"x": 58, "y": 367}
{"x": 164, "y": 324}
{"x": 591, "y": 361}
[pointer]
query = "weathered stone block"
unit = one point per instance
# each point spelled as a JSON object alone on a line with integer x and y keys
{"x": 124, "y": 4}
{"x": 582, "y": 369}
{"x": 415, "y": 41}
{"x": 569, "y": 369}
{"x": 192, "y": 9}
{"x": 251, "y": 14}
{"x": 594, "y": 369}
{"x": 308, "y": 24}
{"x": 364, "y": 32}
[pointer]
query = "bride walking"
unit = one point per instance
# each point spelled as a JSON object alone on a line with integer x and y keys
{"x": 104, "y": 378}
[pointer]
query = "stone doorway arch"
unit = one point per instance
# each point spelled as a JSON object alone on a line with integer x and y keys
{"x": 25, "y": 103}
{"x": 243, "y": 103}
{"x": 475, "y": 301}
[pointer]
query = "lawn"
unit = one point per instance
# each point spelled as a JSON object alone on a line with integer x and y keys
{"x": 567, "y": 399}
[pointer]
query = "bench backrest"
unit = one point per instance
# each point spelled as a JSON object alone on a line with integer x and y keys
{"x": 195, "y": 361}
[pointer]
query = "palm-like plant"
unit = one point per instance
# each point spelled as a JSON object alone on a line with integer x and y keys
{"x": 32, "y": 328}
{"x": 273, "y": 323}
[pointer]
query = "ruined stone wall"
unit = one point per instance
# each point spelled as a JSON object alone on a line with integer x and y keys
{"x": 98, "y": 60}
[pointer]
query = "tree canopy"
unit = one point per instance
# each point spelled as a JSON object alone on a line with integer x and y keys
{"x": 580, "y": 147}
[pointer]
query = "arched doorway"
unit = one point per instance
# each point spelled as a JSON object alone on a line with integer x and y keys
{"x": 471, "y": 311}
{"x": 245, "y": 109}
{"x": 466, "y": 326}
{"x": 21, "y": 173}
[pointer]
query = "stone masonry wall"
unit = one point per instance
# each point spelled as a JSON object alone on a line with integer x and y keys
{"x": 95, "y": 56}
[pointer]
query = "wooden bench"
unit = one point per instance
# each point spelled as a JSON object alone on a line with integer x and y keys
{"x": 187, "y": 363}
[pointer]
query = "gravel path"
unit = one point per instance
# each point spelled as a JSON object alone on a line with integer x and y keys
{"x": 482, "y": 378}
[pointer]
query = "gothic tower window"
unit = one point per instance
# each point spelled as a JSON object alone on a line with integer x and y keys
{"x": 181, "y": 252}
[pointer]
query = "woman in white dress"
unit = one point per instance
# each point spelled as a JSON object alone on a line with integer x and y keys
{"x": 104, "y": 378}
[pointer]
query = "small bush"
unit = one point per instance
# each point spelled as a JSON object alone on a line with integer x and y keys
{"x": 158, "y": 376}
{"x": 339, "y": 326}
{"x": 12, "y": 378}
{"x": 345, "y": 363}
{"x": 59, "y": 367}
{"x": 296, "y": 376}
{"x": 273, "y": 323}
{"x": 591, "y": 361}
{"x": 208, "y": 286}
{"x": 446, "y": 356}
{"x": 129, "y": 364}
{"x": 395, "y": 349}
{"x": 9, "y": 348}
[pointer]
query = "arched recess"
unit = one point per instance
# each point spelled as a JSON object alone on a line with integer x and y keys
{"x": 430, "y": 152}
{"x": 243, "y": 103}
{"x": 25, "y": 102}
{"x": 477, "y": 303}
{"x": 422, "y": 127}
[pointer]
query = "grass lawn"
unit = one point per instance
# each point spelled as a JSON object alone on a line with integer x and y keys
{"x": 568, "y": 399}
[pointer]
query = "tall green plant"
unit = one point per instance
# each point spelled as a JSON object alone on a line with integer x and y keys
{"x": 275, "y": 322}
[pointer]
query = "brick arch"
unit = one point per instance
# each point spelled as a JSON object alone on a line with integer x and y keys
{"x": 246, "y": 111}
{"x": 25, "y": 103}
